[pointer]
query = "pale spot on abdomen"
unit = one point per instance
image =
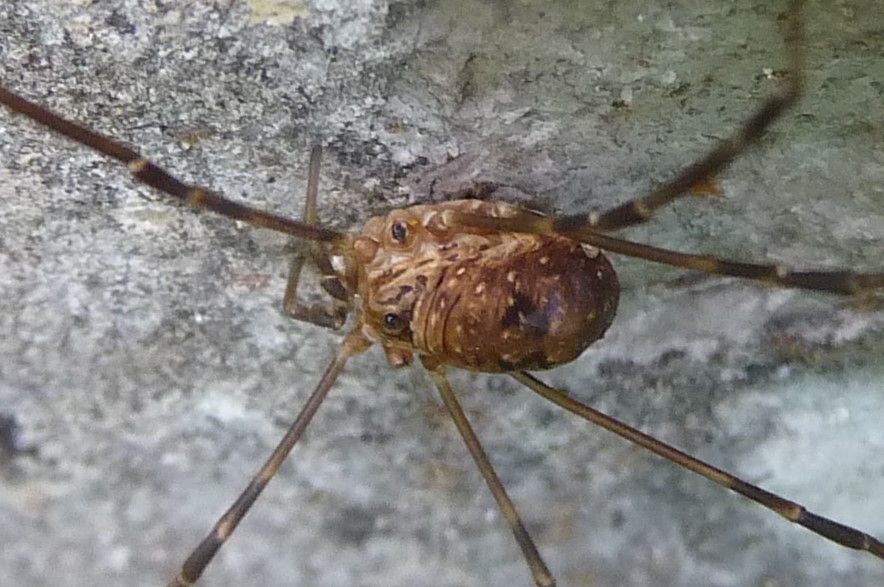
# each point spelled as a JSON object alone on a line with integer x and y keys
{"x": 540, "y": 315}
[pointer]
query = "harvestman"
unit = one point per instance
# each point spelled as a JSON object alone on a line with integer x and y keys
{"x": 490, "y": 287}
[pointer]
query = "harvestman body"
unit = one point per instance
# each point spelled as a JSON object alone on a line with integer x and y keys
{"x": 490, "y": 287}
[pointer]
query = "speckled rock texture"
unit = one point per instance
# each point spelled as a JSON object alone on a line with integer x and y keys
{"x": 146, "y": 368}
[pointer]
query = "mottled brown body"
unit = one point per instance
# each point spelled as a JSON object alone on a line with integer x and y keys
{"x": 481, "y": 300}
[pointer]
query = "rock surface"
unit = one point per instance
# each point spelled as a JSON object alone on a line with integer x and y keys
{"x": 146, "y": 370}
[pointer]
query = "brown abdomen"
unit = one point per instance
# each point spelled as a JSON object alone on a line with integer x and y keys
{"x": 535, "y": 304}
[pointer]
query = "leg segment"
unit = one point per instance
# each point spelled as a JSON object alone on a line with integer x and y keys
{"x": 329, "y": 315}
{"x": 590, "y": 228}
{"x": 541, "y": 574}
{"x": 837, "y": 282}
{"x": 796, "y": 513}
{"x": 147, "y": 172}
{"x": 641, "y": 209}
{"x": 202, "y": 555}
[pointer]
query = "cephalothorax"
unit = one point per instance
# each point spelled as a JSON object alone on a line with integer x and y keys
{"x": 491, "y": 287}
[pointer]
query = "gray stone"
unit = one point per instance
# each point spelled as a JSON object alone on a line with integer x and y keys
{"x": 146, "y": 369}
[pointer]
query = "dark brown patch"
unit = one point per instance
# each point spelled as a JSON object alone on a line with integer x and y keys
{"x": 390, "y": 274}
{"x": 403, "y": 289}
{"x": 522, "y": 313}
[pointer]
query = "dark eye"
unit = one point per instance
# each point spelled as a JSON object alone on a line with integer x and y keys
{"x": 399, "y": 232}
{"x": 393, "y": 321}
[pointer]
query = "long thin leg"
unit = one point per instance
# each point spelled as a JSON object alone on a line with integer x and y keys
{"x": 149, "y": 173}
{"x": 838, "y": 282}
{"x": 202, "y": 555}
{"x": 641, "y": 209}
{"x": 539, "y": 571}
{"x": 796, "y": 513}
{"x": 329, "y": 315}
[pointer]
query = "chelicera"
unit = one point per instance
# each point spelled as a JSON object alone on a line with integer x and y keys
{"x": 490, "y": 287}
